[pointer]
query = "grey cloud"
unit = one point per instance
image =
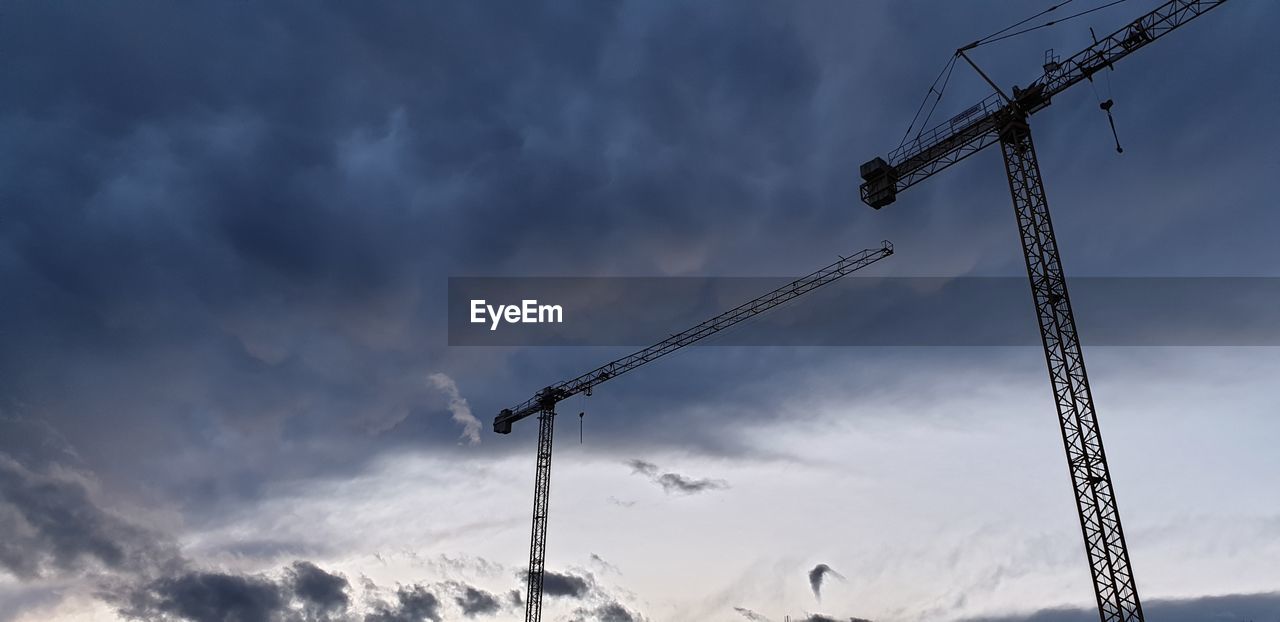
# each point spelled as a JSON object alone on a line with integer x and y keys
{"x": 750, "y": 615}
{"x": 52, "y": 527}
{"x": 597, "y": 603}
{"x": 607, "y": 612}
{"x": 323, "y": 591}
{"x": 267, "y": 246}
{"x": 269, "y": 549}
{"x": 816, "y": 576}
{"x": 675, "y": 482}
{"x": 303, "y": 593}
{"x": 642, "y": 467}
{"x": 557, "y": 584}
{"x": 818, "y": 617}
{"x": 463, "y": 565}
{"x": 1230, "y": 608}
{"x": 209, "y": 597}
{"x": 32, "y": 441}
{"x": 614, "y": 612}
{"x": 604, "y": 565}
{"x": 475, "y": 602}
{"x": 413, "y": 604}
{"x": 19, "y": 599}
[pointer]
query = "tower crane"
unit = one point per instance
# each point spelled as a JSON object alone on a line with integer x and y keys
{"x": 1002, "y": 119}
{"x": 544, "y": 403}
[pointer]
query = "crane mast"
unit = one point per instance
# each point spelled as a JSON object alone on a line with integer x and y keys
{"x": 1108, "y": 555}
{"x": 544, "y": 403}
{"x": 1003, "y": 119}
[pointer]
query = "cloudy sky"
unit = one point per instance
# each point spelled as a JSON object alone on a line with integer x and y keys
{"x": 225, "y": 386}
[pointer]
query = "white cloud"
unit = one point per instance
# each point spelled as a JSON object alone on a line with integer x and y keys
{"x": 458, "y": 407}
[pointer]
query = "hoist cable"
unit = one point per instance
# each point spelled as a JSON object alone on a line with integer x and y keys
{"x": 945, "y": 71}
{"x": 1049, "y": 23}
{"x": 1012, "y": 26}
{"x": 945, "y": 80}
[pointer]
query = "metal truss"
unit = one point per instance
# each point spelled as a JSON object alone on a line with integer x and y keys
{"x": 541, "y": 499}
{"x": 1113, "y": 581}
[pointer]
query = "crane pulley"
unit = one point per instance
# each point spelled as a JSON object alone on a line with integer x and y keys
{"x": 544, "y": 403}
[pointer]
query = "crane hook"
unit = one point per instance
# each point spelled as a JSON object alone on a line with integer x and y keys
{"x": 1106, "y": 107}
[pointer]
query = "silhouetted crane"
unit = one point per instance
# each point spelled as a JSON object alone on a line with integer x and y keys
{"x": 544, "y": 403}
{"x": 1003, "y": 118}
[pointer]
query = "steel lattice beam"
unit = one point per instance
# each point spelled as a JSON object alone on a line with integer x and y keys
{"x": 541, "y": 499}
{"x": 585, "y": 382}
{"x": 1114, "y": 585}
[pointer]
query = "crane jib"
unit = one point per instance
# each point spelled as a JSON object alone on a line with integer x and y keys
{"x": 978, "y": 127}
{"x": 548, "y": 397}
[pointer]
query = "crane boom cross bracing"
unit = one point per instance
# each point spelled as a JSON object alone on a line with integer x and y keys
{"x": 1105, "y": 548}
{"x": 544, "y": 403}
{"x": 1001, "y": 119}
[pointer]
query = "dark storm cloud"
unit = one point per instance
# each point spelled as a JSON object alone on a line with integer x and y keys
{"x": 323, "y": 591}
{"x": 614, "y": 612}
{"x": 607, "y": 612}
{"x": 595, "y": 602}
{"x": 54, "y": 530}
{"x": 675, "y": 482}
{"x": 413, "y": 604}
{"x": 210, "y": 596}
{"x": 255, "y": 255}
{"x": 1233, "y": 608}
{"x": 51, "y": 527}
{"x": 302, "y": 593}
{"x": 475, "y": 602}
{"x": 245, "y": 237}
{"x": 557, "y": 584}
{"x": 816, "y": 576}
